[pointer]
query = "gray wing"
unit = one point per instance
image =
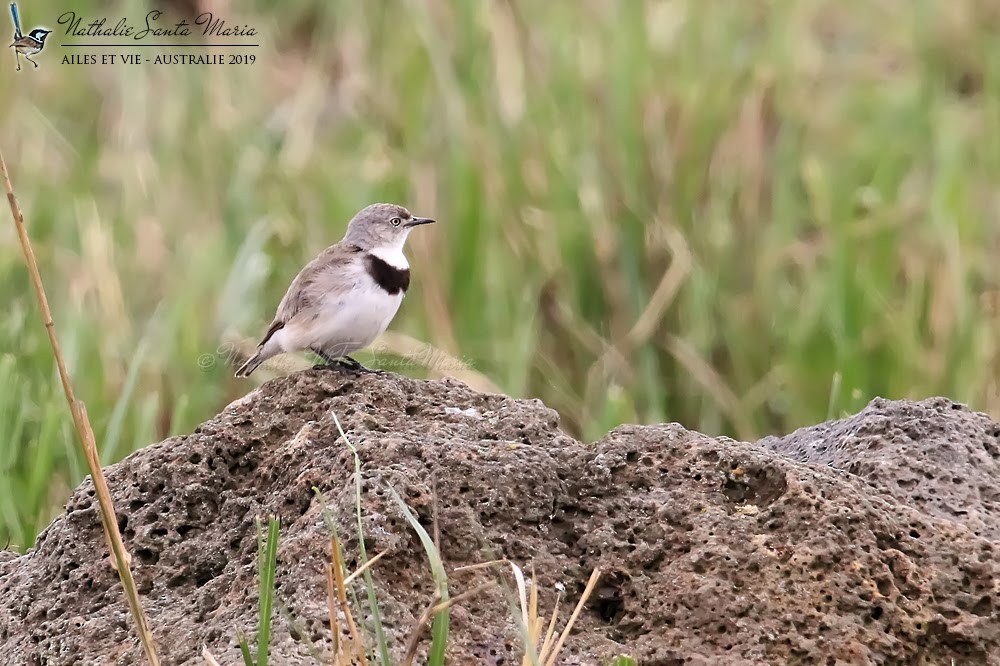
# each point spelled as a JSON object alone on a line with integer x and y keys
{"x": 315, "y": 281}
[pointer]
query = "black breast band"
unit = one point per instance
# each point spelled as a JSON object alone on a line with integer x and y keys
{"x": 390, "y": 278}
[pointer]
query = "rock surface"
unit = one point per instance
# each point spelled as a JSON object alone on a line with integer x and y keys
{"x": 870, "y": 540}
{"x": 934, "y": 455}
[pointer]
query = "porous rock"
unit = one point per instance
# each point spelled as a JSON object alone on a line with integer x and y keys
{"x": 936, "y": 455}
{"x": 712, "y": 551}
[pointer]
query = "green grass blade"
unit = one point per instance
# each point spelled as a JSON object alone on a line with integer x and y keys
{"x": 268, "y": 551}
{"x": 380, "y": 639}
{"x": 832, "y": 406}
{"x": 302, "y": 631}
{"x": 110, "y": 447}
{"x": 244, "y": 648}
{"x": 622, "y": 660}
{"x": 439, "y": 629}
{"x": 332, "y": 525}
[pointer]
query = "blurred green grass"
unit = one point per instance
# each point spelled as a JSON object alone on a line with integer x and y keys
{"x": 744, "y": 217}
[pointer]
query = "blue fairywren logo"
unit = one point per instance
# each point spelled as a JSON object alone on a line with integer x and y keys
{"x": 26, "y": 45}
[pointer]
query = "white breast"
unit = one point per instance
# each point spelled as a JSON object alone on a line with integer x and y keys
{"x": 353, "y": 320}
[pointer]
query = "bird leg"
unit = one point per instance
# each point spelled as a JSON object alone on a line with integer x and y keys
{"x": 352, "y": 364}
{"x": 342, "y": 363}
{"x": 330, "y": 363}
{"x": 17, "y": 56}
{"x": 31, "y": 61}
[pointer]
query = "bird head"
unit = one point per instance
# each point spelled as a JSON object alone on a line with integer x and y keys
{"x": 40, "y": 34}
{"x": 382, "y": 225}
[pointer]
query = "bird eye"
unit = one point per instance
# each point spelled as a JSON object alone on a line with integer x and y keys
{"x": 395, "y": 221}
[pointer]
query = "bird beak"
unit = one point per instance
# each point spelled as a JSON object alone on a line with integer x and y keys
{"x": 417, "y": 221}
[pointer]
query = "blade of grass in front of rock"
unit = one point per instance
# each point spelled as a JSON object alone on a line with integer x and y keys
{"x": 334, "y": 580}
{"x": 380, "y": 639}
{"x": 439, "y": 629}
{"x": 595, "y": 576}
{"x": 244, "y": 644}
{"x": 528, "y": 621}
{"x": 622, "y": 660}
{"x": 297, "y": 628}
{"x": 527, "y": 618}
{"x": 267, "y": 551}
{"x": 331, "y": 600}
{"x": 208, "y": 656}
{"x": 338, "y": 571}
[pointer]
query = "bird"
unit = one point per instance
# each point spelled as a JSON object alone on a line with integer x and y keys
{"x": 30, "y": 44}
{"x": 347, "y": 296}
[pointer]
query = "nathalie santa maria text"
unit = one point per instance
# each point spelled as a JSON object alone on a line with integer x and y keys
{"x": 206, "y": 24}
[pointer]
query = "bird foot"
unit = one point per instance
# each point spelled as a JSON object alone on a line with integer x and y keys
{"x": 345, "y": 364}
{"x": 356, "y": 367}
{"x": 332, "y": 365}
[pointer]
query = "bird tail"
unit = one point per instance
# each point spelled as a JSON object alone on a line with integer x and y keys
{"x": 17, "y": 20}
{"x": 251, "y": 364}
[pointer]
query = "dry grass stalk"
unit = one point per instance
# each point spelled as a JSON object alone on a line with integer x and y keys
{"x": 341, "y": 588}
{"x": 361, "y": 570}
{"x": 418, "y": 629}
{"x": 120, "y": 556}
{"x": 591, "y": 584}
{"x": 339, "y": 658}
{"x": 550, "y": 633}
{"x": 532, "y": 622}
{"x": 445, "y": 605}
{"x": 433, "y": 608}
{"x": 331, "y": 593}
{"x": 207, "y": 656}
